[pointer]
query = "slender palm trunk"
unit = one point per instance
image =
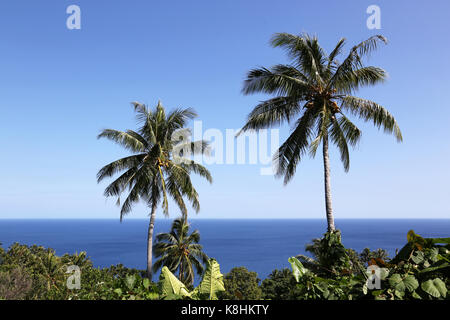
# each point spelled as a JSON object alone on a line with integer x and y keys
{"x": 151, "y": 227}
{"x": 181, "y": 271}
{"x": 328, "y": 203}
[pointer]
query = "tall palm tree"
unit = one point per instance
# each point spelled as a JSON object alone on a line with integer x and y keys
{"x": 159, "y": 165}
{"x": 179, "y": 251}
{"x": 313, "y": 92}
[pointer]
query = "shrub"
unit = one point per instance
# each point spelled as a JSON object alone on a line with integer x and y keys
{"x": 242, "y": 284}
{"x": 279, "y": 285}
{"x": 421, "y": 270}
{"x": 14, "y": 284}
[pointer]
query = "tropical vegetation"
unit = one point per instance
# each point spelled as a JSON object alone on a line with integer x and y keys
{"x": 419, "y": 270}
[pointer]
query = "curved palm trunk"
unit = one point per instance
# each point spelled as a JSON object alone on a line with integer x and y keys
{"x": 326, "y": 167}
{"x": 151, "y": 227}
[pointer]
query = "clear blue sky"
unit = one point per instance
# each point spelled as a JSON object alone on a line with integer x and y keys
{"x": 60, "y": 87}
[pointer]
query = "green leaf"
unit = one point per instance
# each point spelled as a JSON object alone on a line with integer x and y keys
{"x": 399, "y": 294}
{"x": 376, "y": 293}
{"x": 433, "y": 254}
{"x": 418, "y": 257}
{"x": 129, "y": 281}
{"x": 439, "y": 240}
{"x": 435, "y": 288}
{"x": 411, "y": 283}
{"x": 146, "y": 283}
{"x": 118, "y": 291}
{"x": 212, "y": 282}
{"x": 153, "y": 296}
{"x": 430, "y": 269}
{"x": 395, "y": 280}
{"x": 298, "y": 270}
{"x": 170, "y": 285}
{"x": 402, "y": 284}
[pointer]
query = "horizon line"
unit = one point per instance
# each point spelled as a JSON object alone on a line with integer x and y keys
{"x": 169, "y": 218}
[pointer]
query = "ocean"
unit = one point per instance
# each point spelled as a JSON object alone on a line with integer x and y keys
{"x": 259, "y": 245}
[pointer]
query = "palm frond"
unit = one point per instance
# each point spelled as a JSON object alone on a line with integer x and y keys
{"x": 291, "y": 151}
{"x": 355, "y": 79}
{"x": 351, "y": 131}
{"x": 339, "y": 139}
{"x": 274, "y": 82}
{"x": 345, "y": 72}
{"x": 125, "y": 139}
{"x": 178, "y": 118}
{"x": 369, "y": 110}
{"x": 305, "y": 51}
{"x": 198, "y": 169}
{"x": 336, "y": 51}
{"x": 322, "y": 125}
{"x": 121, "y": 164}
{"x": 272, "y": 112}
{"x": 115, "y": 188}
{"x": 187, "y": 149}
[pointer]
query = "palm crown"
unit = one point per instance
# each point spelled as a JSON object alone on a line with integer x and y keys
{"x": 151, "y": 172}
{"x": 314, "y": 90}
{"x": 179, "y": 250}
{"x": 159, "y": 166}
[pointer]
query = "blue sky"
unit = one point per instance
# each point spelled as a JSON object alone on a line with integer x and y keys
{"x": 60, "y": 87}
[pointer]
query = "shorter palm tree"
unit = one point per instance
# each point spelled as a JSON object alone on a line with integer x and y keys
{"x": 159, "y": 167}
{"x": 180, "y": 251}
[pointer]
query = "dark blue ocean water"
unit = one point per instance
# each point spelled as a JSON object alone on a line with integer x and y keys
{"x": 259, "y": 245}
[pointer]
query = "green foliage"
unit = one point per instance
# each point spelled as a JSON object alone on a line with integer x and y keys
{"x": 241, "y": 284}
{"x": 366, "y": 256}
{"x": 208, "y": 289}
{"x": 212, "y": 283}
{"x": 134, "y": 287}
{"x": 419, "y": 271}
{"x": 311, "y": 286}
{"x": 402, "y": 283}
{"x": 331, "y": 258}
{"x": 37, "y": 273}
{"x": 279, "y": 285}
{"x": 435, "y": 288}
{"x": 170, "y": 286}
{"x": 298, "y": 270}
